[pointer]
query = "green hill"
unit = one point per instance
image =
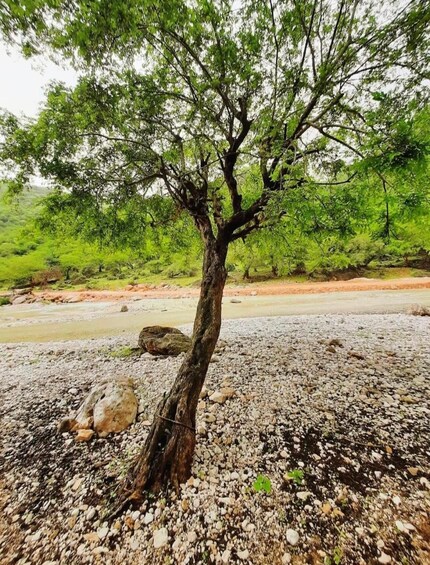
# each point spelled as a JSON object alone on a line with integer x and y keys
{"x": 172, "y": 254}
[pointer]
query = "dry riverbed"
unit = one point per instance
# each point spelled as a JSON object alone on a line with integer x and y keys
{"x": 348, "y": 420}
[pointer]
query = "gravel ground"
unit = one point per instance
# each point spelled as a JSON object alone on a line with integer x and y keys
{"x": 338, "y": 432}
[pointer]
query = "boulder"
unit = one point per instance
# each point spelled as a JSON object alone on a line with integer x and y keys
{"x": 22, "y": 299}
{"x": 116, "y": 410}
{"x": 418, "y": 310}
{"x": 159, "y": 340}
{"x": 110, "y": 407}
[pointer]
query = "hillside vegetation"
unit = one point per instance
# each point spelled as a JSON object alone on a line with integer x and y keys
{"x": 361, "y": 242}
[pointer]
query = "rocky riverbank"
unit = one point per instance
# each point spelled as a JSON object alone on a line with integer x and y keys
{"x": 319, "y": 455}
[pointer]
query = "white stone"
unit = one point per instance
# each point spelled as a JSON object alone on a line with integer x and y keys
{"x": 148, "y": 518}
{"x": 304, "y": 494}
{"x": 225, "y": 557}
{"x": 243, "y": 554}
{"x": 384, "y": 558}
{"x": 91, "y": 513}
{"x": 218, "y": 397}
{"x": 102, "y": 532}
{"x": 160, "y": 538}
{"x": 192, "y": 536}
{"x": 292, "y": 537}
{"x": 400, "y": 526}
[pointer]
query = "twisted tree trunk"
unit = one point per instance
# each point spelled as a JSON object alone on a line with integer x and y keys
{"x": 167, "y": 455}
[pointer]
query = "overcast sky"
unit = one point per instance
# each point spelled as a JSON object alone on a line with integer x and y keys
{"x": 24, "y": 81}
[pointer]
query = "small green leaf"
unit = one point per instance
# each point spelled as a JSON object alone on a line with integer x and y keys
{"x": 296, "y": 475}
{"x": 262, "y": 483}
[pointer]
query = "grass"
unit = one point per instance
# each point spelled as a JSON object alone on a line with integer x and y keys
{"x": 122, "y": 352}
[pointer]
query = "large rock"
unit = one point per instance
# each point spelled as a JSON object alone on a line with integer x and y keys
{"x": 110, "y": 407}
{"x": 116, "y": 410}
{"x": 22, "y": 299}
{"x": 418, "y": 310}
{"x": 159, "y": 340}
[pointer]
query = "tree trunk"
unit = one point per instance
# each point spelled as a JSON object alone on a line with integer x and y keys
{"x": 167, "y": 455}
{"x": 246, "y": 275}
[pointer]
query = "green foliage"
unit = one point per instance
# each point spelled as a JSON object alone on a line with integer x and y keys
{"x": 262, "y": 483}
{"x": 296, "y": 475}
{"x": 335, "y": 558}
{"x": 308, "y": 119}
{"x": 122, "y": 352}
{"x": 4, "y": 300}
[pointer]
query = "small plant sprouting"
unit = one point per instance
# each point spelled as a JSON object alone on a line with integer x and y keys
{"x": 336, "y": 558}
{"x": 122, "y": 352}
{"x": 296, "y": 475}
{"x": 262, "y": 483}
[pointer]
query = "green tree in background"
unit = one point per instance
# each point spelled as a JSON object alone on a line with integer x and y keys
{"x": 187, "y": 100}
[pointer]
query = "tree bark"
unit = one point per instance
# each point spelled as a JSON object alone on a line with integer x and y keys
{"x": 167, "y": 455}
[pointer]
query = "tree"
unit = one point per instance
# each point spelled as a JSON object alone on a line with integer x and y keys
{"x": 195, "y": 100}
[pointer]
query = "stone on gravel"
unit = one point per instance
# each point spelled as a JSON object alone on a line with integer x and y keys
{"x": 160, "y": 340}
{"x": 109, "y": 407}
{"x": 169, "y": 345}
{"x": 418, "y": 310}
{"x": 20, "y": 299}
{"x": 384, "y": 558}
{"x": 160, "y": 538}
{"x": 124, "y": 308}
{"x": 227, "y": 391}
{"x": 84, "y": 435}
{"x": 292, "y": 537}
{"x": 218, "y": 397}
{"x": 116, "y": 410}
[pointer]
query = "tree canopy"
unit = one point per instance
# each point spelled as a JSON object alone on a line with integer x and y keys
{"x": 199, "y": 100}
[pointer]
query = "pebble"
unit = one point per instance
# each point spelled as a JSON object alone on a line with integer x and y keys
{"x": 282, "y": 384}
{"x": 91, "y": 512}
{"x": 102, "y": 532}
{"x": 160, "y": 538}
{"x": 218, "y": 397}
{"x": 292, "y": 537}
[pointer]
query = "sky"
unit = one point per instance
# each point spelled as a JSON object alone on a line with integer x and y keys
{"x": 24, "y": 82}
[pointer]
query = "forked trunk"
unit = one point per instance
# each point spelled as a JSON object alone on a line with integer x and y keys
{"x": 168, "y": 452}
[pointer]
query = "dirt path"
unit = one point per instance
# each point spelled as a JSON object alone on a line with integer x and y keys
{"x": 90, "y": 319}
{"x": 268, "y": 288}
